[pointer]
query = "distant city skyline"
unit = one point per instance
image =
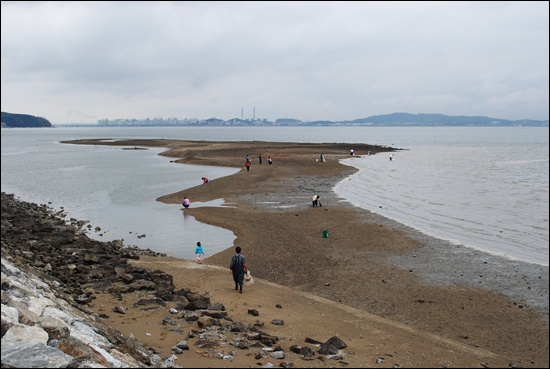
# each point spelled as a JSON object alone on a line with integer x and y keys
{"x": 402, "y": 119}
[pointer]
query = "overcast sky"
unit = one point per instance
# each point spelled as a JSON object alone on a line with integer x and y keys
{"x": 77, "y": 62}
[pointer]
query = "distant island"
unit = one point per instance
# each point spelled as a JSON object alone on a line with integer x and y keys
{"x": 389, "y": 120}
{"x": 10, "y": 120}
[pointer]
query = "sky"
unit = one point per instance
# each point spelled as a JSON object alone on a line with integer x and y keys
{"x": 80, "y": 62}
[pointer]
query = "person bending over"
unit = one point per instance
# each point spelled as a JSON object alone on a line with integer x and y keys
{"x": 316, "y": 200}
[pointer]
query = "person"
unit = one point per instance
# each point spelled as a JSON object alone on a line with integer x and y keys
{"x": 199, "y": 251}
{"x": 322, "y": 158}
{"x": 204, "y": 180}
{"x": 351, "y": 152}
{"x": 247, "y": 158}
{"x": 186, "y": 203}
{"x": 248, "y": 163}
{"x": 260, "y": 158}
{"x": 316, "y": 200}
{"x": 237, "y": 267}
{"x": 269, "y": 161}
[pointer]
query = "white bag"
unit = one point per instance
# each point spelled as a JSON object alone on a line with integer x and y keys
{"x": 248, "y": 280}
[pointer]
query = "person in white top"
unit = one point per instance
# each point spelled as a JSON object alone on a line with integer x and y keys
{"x": 316, "y": 200}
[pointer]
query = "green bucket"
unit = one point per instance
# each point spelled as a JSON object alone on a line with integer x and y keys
{"x": 325, "y": 234}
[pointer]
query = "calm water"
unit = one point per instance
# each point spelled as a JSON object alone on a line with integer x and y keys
{"x": 485, "y": 188}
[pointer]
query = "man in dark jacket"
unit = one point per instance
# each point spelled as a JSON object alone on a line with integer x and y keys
{"x": 237, "y": 267}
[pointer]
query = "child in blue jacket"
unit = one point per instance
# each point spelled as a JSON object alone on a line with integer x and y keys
{"x": 199, "y": 251}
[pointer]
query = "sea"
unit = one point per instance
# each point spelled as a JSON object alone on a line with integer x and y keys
{"x": 485, "y": 188}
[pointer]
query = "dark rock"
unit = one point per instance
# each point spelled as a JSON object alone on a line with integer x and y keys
{"x": 332, "y": 346}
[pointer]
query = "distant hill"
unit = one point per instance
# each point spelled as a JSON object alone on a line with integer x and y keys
{"x": 10, "y": 120}
{"x": 407, "y": 119}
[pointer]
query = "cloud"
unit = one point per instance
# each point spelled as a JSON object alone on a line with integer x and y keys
{"x": 311, "y": 61}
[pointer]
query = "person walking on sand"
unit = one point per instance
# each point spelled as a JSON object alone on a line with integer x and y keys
{"x": 269, "y": 161}
{"x": 199, "y": 251}
{"x": 186, "y": 202}
{"x": 316, "y": 200}
{"x": 237, "y": 267}
{"x": 260, "y": 158}
{"x": 248, "y": 164}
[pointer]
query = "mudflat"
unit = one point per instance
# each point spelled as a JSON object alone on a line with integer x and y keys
{"x": 396, "y": 297}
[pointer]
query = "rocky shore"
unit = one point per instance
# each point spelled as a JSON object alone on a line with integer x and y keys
{"x": 50, "y": 273}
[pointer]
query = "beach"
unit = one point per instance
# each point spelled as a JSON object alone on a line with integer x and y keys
{"x": 386, "y": 290}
